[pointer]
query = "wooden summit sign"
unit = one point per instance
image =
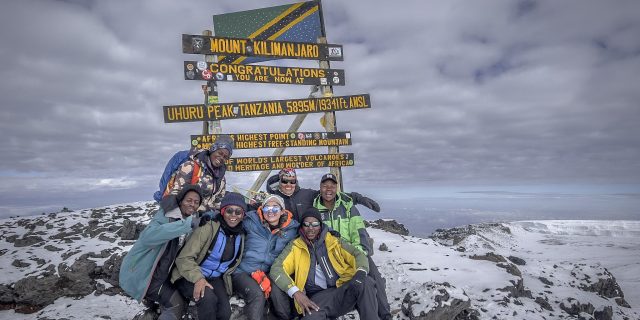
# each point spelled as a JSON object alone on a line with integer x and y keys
{"x": 260, "y": 48}
{"x": 200, "y": 70}
{"x": 290, "y": 161}
{"x": 237, "y": 110}
{"x": 276, "y": 140}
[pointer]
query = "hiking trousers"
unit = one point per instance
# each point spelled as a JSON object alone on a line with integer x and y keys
{"x": 335, "y": 302}
{"x": 214, "y": 304}
{"x": 171, "y": 302}
{"x": 384, "y": 310}
{"x": 255, "y": 302}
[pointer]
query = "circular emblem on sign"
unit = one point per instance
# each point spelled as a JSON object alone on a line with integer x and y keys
{"x": 316, "y": 135}
{"x": 189, "y": 66}
{"x": 336, "y": 80}
{"x": 350, "y": 162}
{"x": 202, "y": 65}
{"x": 206, "y": 74}
{"x": 249, "y": 49}
{"x": 292, "y": 135}
{"x": 194, "y": 142}
{"x": 301, "y": 136}
{"x": 190, "y": 75}
{"x": 219, "y": 76}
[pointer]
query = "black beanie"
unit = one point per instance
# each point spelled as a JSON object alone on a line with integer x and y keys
{"x": 233, "y": 198}
{"x": 311, "y": 212}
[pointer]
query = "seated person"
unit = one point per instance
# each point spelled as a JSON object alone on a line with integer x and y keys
{"x": 268, "y": 230}
{"x": 331, "y": 281}
{"x": 205, "y": 264}
{"x": 145, "y": 270}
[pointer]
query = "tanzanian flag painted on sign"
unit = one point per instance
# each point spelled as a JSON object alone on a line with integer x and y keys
{"x": 298, "y": 22}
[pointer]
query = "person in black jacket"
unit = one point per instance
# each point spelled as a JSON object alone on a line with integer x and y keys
{"x": 297, "y": 200}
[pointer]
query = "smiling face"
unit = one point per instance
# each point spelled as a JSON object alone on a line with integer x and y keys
{"x": 190, "y": 203}
{"x": 328, "y": 192}
{"x": 287, "y": 185}
{"x": 233, "y": 215}
{"x": 271, "y": 211}
{"x": 311, "y": 228}
{"x": 219, "y": 156}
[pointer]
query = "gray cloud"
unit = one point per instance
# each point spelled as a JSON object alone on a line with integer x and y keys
{"x": 464, "y": 91}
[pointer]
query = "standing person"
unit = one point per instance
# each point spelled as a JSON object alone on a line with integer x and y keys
{"x": 329, "y": 274}
{"x": 338, "y": 212}
{"x": 205, "y": 264}
{"x": 297, "y": 200}
{"x": 269, "y": 229}
{"x": 209, "y": 167}
{"x": 145, "y": 270}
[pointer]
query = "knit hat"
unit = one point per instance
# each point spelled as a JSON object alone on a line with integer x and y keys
{"x": 233, "y": 198}
{"x": 222, "y": 142}
{"x": 189, "y": 187}
{"x": 311, "y": 212}
{"x": 287, "y": 172}
{"x": 275, "y": 197}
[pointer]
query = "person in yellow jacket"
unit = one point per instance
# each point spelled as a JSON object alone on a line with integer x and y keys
{"x": 325, "y": 275}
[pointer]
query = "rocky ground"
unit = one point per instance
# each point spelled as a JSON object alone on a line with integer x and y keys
{"x": 55, "y": 264}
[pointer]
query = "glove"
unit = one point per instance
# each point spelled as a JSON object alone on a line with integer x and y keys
{"x": 365, "y": 201}
{"x": 263, "y": 281}
{"x": 204, "y": 219}
{"x": 358, "y": 279}
{"x": 195, "y": 221}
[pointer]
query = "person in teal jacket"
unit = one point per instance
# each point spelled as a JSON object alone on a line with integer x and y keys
{"x": 269, "y": 229}
{"x": 145, "y": 270}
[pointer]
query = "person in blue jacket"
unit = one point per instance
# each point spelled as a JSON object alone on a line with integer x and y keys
{"x": 268, "y": 231}
{"x": 145, "y": 270}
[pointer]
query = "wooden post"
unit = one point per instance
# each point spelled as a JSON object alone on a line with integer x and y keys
{"x": 210, "y": 96}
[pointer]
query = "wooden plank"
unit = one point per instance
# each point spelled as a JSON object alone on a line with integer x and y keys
{"x": 200, "y": 70}
{"x": 197, "y": 44}
{"x": 290, "y": 161}
{"x": 254, "y": 109}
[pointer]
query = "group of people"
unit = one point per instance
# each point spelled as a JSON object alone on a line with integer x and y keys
{"x": 300, "y": 253}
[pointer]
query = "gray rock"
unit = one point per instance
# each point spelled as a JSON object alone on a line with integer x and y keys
{"x": 432, "y": 301}
{"x": 130, "y": 230}
{"x": 7, "y": 295}
{"x": 490, "y": 256}
{"x": 27, "y": 241}
{"x": 389, "y": 226}
{"x": 517, "y": 260}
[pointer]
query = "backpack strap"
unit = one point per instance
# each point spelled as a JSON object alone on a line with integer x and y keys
{"x": 195, "y": 174}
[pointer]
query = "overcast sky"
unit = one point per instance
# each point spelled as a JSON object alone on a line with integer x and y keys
{"x": 463, "y": 93}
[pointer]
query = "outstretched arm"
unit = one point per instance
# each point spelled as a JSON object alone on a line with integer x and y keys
{"x": 365, "y": 201}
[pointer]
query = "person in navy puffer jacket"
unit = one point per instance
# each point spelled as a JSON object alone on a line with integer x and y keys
{"x": 268, "y": 231}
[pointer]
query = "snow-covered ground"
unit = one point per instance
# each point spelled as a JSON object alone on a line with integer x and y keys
{"x": 567, "y": 254}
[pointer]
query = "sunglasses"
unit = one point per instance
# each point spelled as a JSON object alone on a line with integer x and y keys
{"x": 314, "y": 224}
{"x": 237, "y": 211}
{"x": 283, "y": 181}
{"x": 271, "y": 209}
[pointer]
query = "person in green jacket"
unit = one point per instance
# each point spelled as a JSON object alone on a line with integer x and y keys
{"x": 339, "y": 212}
{"x": 207, "y": 260}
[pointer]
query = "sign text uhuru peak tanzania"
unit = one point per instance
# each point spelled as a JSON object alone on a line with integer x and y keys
{"x": 186, "y": 113}
{"x": 290, "y": 161}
